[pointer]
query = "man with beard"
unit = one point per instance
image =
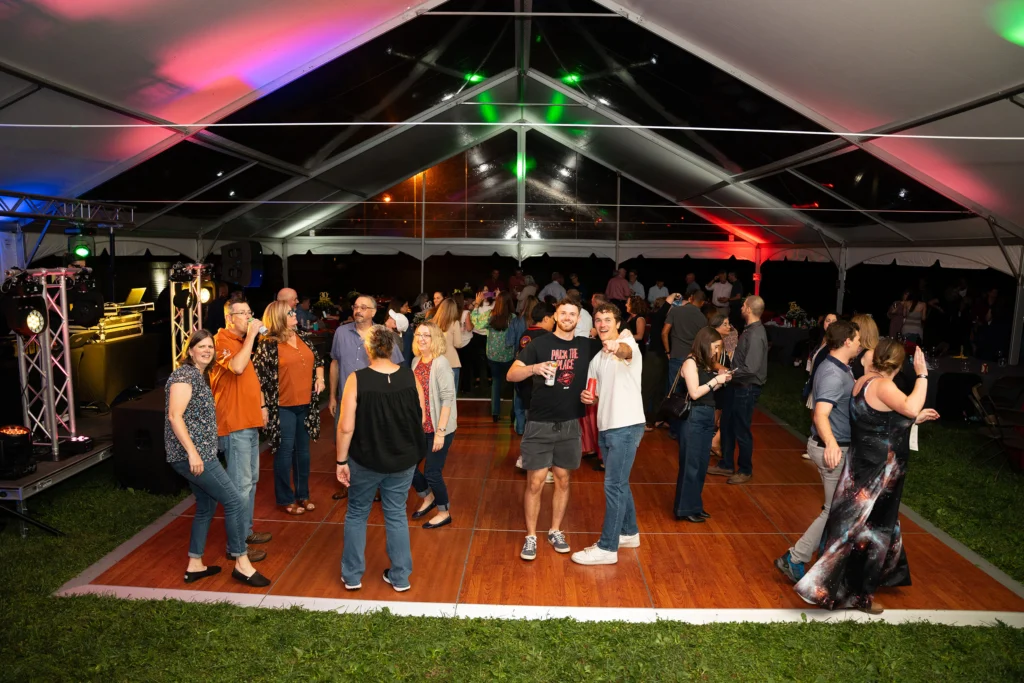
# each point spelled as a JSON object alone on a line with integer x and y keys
{"x": 557, "y": 365}
{"x": 348, "y": 354}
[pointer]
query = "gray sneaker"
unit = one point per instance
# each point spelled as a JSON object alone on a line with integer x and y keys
{"x": 557, "y": 540}
{"x": 529, "y": 548}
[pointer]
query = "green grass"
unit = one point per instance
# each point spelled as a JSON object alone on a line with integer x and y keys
{"x": 92, "y": 638}
{"x": 964, "y": 499}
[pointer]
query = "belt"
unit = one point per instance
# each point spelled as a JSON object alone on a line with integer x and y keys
{"x": 841, "y": 444}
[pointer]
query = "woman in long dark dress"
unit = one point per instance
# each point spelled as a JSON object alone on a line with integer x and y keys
{"x": 862, "y": 548}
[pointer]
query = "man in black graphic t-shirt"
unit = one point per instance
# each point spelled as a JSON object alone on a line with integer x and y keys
{"x": 542, "y": 321}
{"x": 552, "y": 439}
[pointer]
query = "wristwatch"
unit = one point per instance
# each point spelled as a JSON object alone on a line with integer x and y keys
{"x": 440, "y": 431}
{"x": 341, "y": 462}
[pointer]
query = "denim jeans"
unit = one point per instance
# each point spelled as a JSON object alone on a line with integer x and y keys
{"x": 737, "y": 417}
{"x": 519, "y": 410}
{"x": 456, "y": 372}
{"x": 430, "y": 480}
{"x": 242, "y": 450}
{"x": 694, "y": 452}
{"x": 808, "y": 543}
{"x": 292, "y": 457}
{"x": 498, "y": 372}
{"x": 394, "y": 490}
{"x": 674, "y": 366}
{"x": 211, "y": 487}
{"x": 618, "y": 446}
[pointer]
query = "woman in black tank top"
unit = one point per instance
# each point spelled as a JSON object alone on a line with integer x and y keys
{"x": 701, "y": 379}
{"x": 380, "y": 441}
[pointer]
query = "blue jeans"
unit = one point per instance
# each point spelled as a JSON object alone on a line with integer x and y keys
{"x": 456, "y": 372}
{"x": 242, "y": 450}
{"x": 737, "y": 417}
{"x": 674, "y": 366}
{"x": 519, "y": 410}
{"x": 694, "y": 452}
{"x": 211, "y": 487}
{"x": 292, "y": 457}
{"x": 498, "y": 372}
{"x": 431, "y": 480}
{"x": 394, "y": 489}
{"x": 618, "y": 447}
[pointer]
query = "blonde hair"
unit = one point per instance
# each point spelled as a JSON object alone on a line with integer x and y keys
{"x": 275, "y": 319}
{"x": 437, "y": 342}
{"x": 447, "y": 314}
{"x": 868, "y": 330}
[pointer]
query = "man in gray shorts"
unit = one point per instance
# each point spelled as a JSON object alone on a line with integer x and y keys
{"x": 552, "y": 439}
{"x": 830, "y": 435}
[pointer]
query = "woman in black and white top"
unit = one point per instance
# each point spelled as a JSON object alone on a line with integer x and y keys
{"x": 190, "y": 440}
{"x": 702, "y": 377}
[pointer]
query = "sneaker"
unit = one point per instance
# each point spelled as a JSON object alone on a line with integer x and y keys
{"x": 529, "y": 548}
{"x": 794, "y": 571}
{"x": 739, "y": 478}
{"x": 557, "y": 540}
{"x": 387, "y": 580}
{"x": 595, "y": 555}
{"x": 805, "y": 456}
{"x": 629, "y": 541}
{"x": 353, "y": 586}
{"x": 257, "y": 537}
{"x": 550, "y": 479}
{"x": 519, "y": 462}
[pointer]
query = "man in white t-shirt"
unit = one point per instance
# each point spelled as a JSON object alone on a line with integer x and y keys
{"x": 656, "y": 292}
{"x": 721, "y": 292}
{"x": 620, "y": 426}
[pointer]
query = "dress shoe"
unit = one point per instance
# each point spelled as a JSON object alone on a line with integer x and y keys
{"x": 258, "y": 537}
{"x": 694, "y": 519}
{"x": 340, "y": 495}
{"x": 444, "y": 522}
{"x": 255, "y": 555}
{"x": 720, "y": 471}
{"x": 739, "y": 478}
{"x": 705, "y": 514}
{"x": 420, "y": 513}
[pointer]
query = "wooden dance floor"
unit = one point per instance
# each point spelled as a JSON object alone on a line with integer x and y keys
{"x": 723, "y": 564}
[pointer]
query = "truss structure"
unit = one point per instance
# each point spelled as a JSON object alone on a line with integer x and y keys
{"x": 44, "y": 366}
{"x": 43, "y": 208}
{"x": 186, "y": 319}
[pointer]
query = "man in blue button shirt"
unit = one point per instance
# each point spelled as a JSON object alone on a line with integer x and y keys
{"x": 348, "y": 354}
{"x": 830, "y": 435}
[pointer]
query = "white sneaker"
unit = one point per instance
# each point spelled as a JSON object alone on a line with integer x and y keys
{"x": 805, "y": 456}
{"x": 550, "y": 479}
{"x": 519, "y": 462}
{"x": 594, "y": 555}
{"x": 629, "y": 541}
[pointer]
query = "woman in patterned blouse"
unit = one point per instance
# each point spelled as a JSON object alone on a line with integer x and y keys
{"x": 291, "y": 376}
{"x": 190, "y": 439}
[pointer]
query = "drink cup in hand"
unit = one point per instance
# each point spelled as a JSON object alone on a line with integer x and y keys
{"x": 549, "y": 377}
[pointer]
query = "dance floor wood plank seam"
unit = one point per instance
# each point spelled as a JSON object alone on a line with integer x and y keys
{"x": 725, "y": 563}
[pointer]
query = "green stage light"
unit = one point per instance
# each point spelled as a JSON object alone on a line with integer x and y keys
{"x": 80, "y": 246}
{"x": 571, "y": 79}
{"x": 475, "y": 78}
{"x": 82, "y": 251}
{"x": 1007, "y": 18}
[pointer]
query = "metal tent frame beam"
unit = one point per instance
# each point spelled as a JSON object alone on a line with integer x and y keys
{"x": 853, "y": 205}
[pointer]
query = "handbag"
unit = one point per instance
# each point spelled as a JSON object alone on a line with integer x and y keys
{"x": 675, "y": 406}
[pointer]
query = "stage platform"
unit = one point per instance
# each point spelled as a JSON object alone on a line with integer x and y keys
{"x": 718, "y": 571}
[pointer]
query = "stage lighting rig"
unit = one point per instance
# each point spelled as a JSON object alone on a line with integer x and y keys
{"x": 23, "y": 304}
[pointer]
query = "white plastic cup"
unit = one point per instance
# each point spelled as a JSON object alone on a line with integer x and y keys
{"x": 550, "y": 381}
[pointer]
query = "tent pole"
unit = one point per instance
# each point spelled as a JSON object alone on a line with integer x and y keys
{"x": 423, "y": 229}
{"x": 520, "y": 191}
{"x": 618, "y": 207}
{"x": 841, "y": 289}
{"x": 1018, "y": 313}
{"x": 284, "y": 261}
{"x": 757, "y": 270}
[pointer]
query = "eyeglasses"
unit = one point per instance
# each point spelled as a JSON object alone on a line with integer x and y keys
{"x": 292, "y": 312}
{"x": 423, "y": 336}
{"x": 247, "y": 314}
{"x": 363, "y": 308}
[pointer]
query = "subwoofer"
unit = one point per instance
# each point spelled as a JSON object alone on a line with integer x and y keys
{"x": 140, "y": 461}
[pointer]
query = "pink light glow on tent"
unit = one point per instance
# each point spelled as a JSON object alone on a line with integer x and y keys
{"x": 926, "y": 156}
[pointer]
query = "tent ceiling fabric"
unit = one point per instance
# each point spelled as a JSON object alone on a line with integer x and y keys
{"x": 855, "y": 66}
{"x": 832, "y": 67}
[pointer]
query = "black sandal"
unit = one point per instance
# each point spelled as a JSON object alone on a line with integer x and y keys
{"x": 192, "y": 577}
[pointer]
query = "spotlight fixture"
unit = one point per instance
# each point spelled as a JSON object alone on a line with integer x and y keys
{"x": 220, "y": 173}
{"x": 903, "y": 193}
{"x": 231, "y": 194}
{"x": 24, "y": 307}
{"x": 564, "y": 172}
{"x": 447, "y": 96}
{"x": 16, "y": 456}
{"x": 386, "y": 198}
{"x": 483, "y": 168}
{"x": 601, "y": 100}
{"x": 80, "y": 245}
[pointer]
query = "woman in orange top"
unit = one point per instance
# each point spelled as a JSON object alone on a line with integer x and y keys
{"x": 291, "y": 376}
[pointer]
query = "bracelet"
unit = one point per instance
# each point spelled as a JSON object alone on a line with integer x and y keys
{"x": 924, "y": 377}
{"x": 263, "y": 406}
{"x": 341, "y": 462}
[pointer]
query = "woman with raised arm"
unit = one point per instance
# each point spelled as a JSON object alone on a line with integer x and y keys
{"x": 862, "y": 549}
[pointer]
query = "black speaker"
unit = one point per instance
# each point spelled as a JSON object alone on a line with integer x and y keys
{"x": 242, "y": 263}
{"x": 140, "y": 461}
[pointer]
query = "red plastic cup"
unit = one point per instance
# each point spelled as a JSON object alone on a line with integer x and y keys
{"x": 592, "y": 386}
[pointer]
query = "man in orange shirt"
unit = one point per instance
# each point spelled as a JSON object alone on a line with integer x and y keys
{"x": 240, "y": 408}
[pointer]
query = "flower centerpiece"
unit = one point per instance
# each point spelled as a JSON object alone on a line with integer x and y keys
{"x": 796, "y": 316}
{"x": 324, "y": 305}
